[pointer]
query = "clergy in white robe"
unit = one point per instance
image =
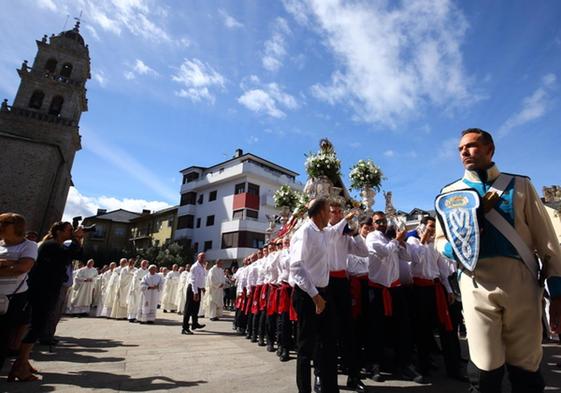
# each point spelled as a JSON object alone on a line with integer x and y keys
{"x": 101, "y": 288}
{"x": 216, "y": 280}
{"x": 119, "y": 310}
{"x": 133, "y": 299}
{"x": 181, "y": 294}
{"x": 112, "y": 289}
{"x": 203, "y": 311}
{"x": 170, "y": 290}
{"x": 150, "y": 288}
{"x": 82, "y": 289}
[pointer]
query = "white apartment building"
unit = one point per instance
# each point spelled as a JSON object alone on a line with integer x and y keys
{"x": 224, "y": 208}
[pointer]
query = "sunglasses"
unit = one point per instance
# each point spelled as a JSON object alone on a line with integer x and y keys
{"x": 380, "y": 222}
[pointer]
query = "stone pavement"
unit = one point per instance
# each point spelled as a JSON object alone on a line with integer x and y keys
{"x": 116, "y": 356}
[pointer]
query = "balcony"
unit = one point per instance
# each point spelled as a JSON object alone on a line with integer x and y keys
{"x": 246, "y": 200}
{"x": 237, "y": 225}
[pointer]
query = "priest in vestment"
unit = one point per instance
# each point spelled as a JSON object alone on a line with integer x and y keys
{"x": 119, "y": 310}
{"x": 150, "y": 288}
{"x": 82, "y": 290}
{"x": 170, "y": 289}
{"x": 181, "y": 288}
{"x": 112, "y": 289}
{"x": 216, "y": 280}
{"x": 102, "y": 283}
{"x": 133, "y": 298}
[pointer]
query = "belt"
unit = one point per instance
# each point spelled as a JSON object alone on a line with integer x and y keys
{"x": 441, "y": 300}
{"x": 386, "y": 295}
{"x": 338, "y": 274}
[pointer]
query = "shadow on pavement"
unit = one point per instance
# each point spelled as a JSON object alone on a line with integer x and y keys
{"x": 102, "y": 380}
{"x": 78, "y": 350}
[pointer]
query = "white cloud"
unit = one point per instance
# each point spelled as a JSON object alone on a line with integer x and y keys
{"x": 139, "y": 68}
{"x": 93, "y": 32}
{"x": 229, "y": 21}
{"x": 78, "y": 204}
{"x": 533, "y": 107}
{"x": 47, "y": 4}
{"x": 389, "y": 153}
{"x": 198, "y": 79}
{"x": 298, "y": 9}
{"x": 275, "y": 47}
{"x": 123, "y": 160}
{"x": 266, "y": 98}
{"x": 252, "y": 139}
{"x": 394, "y": 58}
{"x": 448, "y": 149}
{"x": 99, "y": 76}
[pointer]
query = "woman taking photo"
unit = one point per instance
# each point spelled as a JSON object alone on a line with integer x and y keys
{"x": 17, "y": 256}
{"x": 61, "y": 245}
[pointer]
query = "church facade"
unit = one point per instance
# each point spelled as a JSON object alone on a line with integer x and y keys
{"x": 39, "y": 133}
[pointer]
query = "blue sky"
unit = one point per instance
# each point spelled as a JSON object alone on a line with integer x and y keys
{"x": 178, "y": 83}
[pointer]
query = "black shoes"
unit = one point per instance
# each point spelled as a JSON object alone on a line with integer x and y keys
{"x": 186, "y": 331}
{"x": 261, "y": 342}
{"x": 198, "y": 326}
{"x": 284, "y": 356}
{"x": 410, "y": 374}
{"x": 317, "y": 385}
{"x": 356, "y": 384}
{"x": 375, "y": 374}
{"x": 270, "y": 347}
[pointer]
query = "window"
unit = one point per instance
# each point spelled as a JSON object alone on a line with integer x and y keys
{"x": 188, "y": 198}
{"x": 212, "y": 196}
{"x": 252, "y": 214}
{"x": 200, "y": 201}
{"x": 56, "y": 105}
{"x": 99, "y": 232}
{"x": 238, "y": 215}
{"x": 36, "y": 100}
{"x": 230, "y": 240}
{"x": 66, "y": 70}
{"x": 199, "y": 222}
{"x": 185, "y": 221}
{"x": 243, "y": 239}
{"x": 196, "y": 247}
{"x": 50, "y": 65}
{"x": 210, "y": 221}
{"x": 119, "y": 231}
{"x": 188, "y": 178}
{"x": 240, "y": 188}
{"x": 252, "y": 189}
{"x": 208, "y": 245}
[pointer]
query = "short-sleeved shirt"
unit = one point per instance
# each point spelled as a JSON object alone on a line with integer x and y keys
{"x": 25, "y": 249}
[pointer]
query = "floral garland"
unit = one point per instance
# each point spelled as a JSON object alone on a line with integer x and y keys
{"x": 285, "y": 196}
{"x": 323, "y": 164}
{"x": 366, "y": 174}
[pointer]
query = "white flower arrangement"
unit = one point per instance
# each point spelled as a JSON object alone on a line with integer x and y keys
{"x": 285, "y": 196}
{"x": 366, "y": 174}
{"x": 323, "y": 164}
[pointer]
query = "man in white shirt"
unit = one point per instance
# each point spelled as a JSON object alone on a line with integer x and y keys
{"x": 283, "y": 310}
{"x": 431, "y": 295}
{"x": 309, "y": 273}
{"x": 195, "y": 290}
{"x": 389, "y": 314}
{"x": 260, "y": 315}
{"x": 253, "y": 295}
{"x": 340, "y": 247}
{"x": 271, "y": 278}
{"x": 240, "y": 318}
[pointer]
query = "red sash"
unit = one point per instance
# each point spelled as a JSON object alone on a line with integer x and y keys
{"x": 386, "y": 296}
{"x": 441, "y": 300}
{"x": 240, "y": 301}
{"x": 272, "y": 302}
{"x": 255, "y": 299}
{"x": 248, "y": 302}
{"x": 293, "y": 313}
{"x": 284, "y": 298}
{"x": 263, "y": 297}
{"x": 356, "y": 296}
{"x": 338, "y": 274}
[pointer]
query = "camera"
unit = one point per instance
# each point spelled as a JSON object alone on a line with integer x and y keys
{"x": 76, "y": 223}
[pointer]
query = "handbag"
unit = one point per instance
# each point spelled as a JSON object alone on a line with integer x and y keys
{"x": 5, "y": 299}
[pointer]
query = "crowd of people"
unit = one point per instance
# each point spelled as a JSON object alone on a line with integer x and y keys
{"x": 351, "y": 294}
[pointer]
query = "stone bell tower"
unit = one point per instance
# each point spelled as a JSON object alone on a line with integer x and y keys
{"x": 39, "y": 133}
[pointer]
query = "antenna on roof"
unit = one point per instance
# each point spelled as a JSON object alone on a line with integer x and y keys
{"x": 78, "y": 20}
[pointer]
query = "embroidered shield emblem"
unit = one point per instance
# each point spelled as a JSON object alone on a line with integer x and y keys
{"x": 458, "y": 213}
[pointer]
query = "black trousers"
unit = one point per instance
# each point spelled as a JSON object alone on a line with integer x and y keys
{"x": 43, "y": 305}
{"x": 191, "y": 311}
{"x": 425, "y": 322}
{"x": 360, "y": 333}
{"x": 395, "y": 329}
{"x": 340, "y": 291}
{"x": 284, "y": 329}
{"x": 315, "y": 341}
